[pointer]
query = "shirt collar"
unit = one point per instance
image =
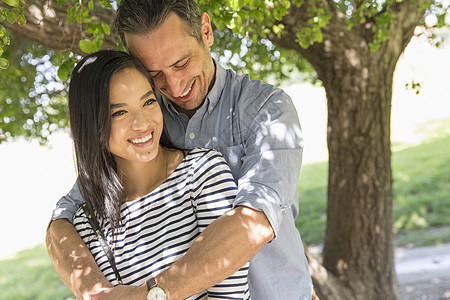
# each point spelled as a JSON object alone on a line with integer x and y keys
{"x": 214, "y": 94}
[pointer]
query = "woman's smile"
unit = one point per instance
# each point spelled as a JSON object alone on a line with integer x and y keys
{"x": 141, "y": 141}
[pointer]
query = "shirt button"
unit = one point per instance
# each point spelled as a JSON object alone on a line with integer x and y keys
{"x": 211, "y": 108}
{"x": 192, "y": 135}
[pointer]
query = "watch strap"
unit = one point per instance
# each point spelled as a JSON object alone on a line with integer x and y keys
{"x": 151, "y": 283}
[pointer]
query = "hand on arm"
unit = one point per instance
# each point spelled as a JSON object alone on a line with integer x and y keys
{"x": 219, "y": 251}
{"x": 73, "y": 261}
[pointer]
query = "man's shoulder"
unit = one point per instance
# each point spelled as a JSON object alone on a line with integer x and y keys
{"x": 244, "y": 88}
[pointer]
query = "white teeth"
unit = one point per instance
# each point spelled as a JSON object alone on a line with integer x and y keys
{"x": 187, "y": 92}
{"x": 141, "y": 140}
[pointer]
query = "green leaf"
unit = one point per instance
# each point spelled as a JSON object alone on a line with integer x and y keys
{"x": 88, "y": 46}
{"x": 106, "y": 28}
{"x": 236, "y": 4}
{"x": 4, "y": 64}
{"x": 120, "y": 46}
{"x": 21, "y": 20}
{"x": 71, "y": 15}
{"x": 91, "y": 5}
{"x": 10, "y": 17}
{"x": 105, "y": 3}
{"x": 65, "y": 70}
{"x": 12, "y": 2}
{"x": 5, "y": 40}
{"x": 91, "y": 28}
{"x": 61, "y": 2}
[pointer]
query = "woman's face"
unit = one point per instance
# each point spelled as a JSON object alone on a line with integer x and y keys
{"x": 136, "y": 118}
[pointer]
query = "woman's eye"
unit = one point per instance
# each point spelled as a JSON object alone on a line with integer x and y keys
{"x": 149, "y": 102}
{"x": 118, "y": 113}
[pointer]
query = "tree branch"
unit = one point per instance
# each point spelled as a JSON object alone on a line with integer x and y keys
{"x": 47, "y": 25}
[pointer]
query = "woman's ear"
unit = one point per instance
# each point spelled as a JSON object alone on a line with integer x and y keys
{"x": 207, "y": 31}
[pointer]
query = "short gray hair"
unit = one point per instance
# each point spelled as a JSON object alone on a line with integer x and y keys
{"x": 145, "y": 16}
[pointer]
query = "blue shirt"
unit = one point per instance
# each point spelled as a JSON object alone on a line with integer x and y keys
{"x": 256, "y": 128}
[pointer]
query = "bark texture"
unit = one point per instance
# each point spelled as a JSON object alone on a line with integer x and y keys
{"x": 358, "y": 257}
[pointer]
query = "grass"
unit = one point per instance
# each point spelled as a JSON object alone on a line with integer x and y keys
{"x": 421, "y": 214}
{"x": 421, "y": 192}
{"x": 30, "y": 275}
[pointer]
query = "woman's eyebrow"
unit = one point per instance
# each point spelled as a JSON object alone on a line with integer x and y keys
{"x": 117, "y": 105}
{"x": 146, "y": 95}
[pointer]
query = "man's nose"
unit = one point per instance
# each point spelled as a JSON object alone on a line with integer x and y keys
{"x": 173, "y": 84}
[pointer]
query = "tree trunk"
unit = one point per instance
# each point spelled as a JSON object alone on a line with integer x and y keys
{"x": 358, "y": 255}
{"x": 358, "y": 246}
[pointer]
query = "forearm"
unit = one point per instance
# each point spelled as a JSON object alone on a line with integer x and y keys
{"x": 72, "y": 260}
{"x": 223, "y": 247}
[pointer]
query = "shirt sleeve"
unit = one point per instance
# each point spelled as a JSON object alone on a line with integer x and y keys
{"x": 214, "y": 194}
{"x": 68, "y": 205}
{"x": 273, "y": 145}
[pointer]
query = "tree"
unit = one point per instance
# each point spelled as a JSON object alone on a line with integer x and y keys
{"x": 353, "y": 47}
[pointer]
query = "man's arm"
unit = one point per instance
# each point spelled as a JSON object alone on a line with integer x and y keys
{"x": 223, "y": 247}
{"x": 73, "y": 261}
{"x": 220, "y": 250}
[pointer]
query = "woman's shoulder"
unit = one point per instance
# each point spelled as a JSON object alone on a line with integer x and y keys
{"x": 199, "y": 154}
{"x": 202, "y": 159}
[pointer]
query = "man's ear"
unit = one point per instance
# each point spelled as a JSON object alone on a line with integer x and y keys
{"x": 207, "y": 31}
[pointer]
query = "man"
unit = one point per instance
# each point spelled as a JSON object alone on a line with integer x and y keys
{"x": 255, "y": 127}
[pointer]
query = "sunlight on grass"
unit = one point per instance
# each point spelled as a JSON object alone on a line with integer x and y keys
{"x": 421, "y": 193}
{"x": 30, "y": 275}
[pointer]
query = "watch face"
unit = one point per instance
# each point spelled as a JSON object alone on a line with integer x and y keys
{"x": 156, "y": 293}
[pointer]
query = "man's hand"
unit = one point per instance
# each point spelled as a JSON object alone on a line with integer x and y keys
{"x": 123, "y": 292}
{"x": 73, "y": 261}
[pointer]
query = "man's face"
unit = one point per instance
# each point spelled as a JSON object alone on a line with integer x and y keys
{"x": 182, "y": 69}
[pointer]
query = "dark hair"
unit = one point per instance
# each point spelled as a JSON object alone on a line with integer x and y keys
{"x": 144, "y": 16}
{"x": 90, "y": 124}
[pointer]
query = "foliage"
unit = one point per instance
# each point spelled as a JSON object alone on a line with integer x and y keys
{"x": 32, "y": 98}
{"x": 243, "y": 29}
{"x": 10, "y": 15}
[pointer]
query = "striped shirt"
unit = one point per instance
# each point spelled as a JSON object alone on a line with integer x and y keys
{"x": 159, "y": 228}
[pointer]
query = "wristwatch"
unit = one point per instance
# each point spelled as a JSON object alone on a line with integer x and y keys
{"x": 155, "y": 292}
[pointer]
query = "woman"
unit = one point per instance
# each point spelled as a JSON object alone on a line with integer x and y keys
{"x": 150, "y": 200}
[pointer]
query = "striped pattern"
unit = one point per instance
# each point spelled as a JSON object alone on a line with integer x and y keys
{"x": 159, "y": 228}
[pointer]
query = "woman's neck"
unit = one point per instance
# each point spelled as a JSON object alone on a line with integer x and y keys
{"x": 139, "y": 179}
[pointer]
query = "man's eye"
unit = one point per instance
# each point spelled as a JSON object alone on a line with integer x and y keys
{"x": 118, "y": 113}
{"x": 149, "y": 102}
{"x": 183, "y": 65}
{"x": 155, "y": 74}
